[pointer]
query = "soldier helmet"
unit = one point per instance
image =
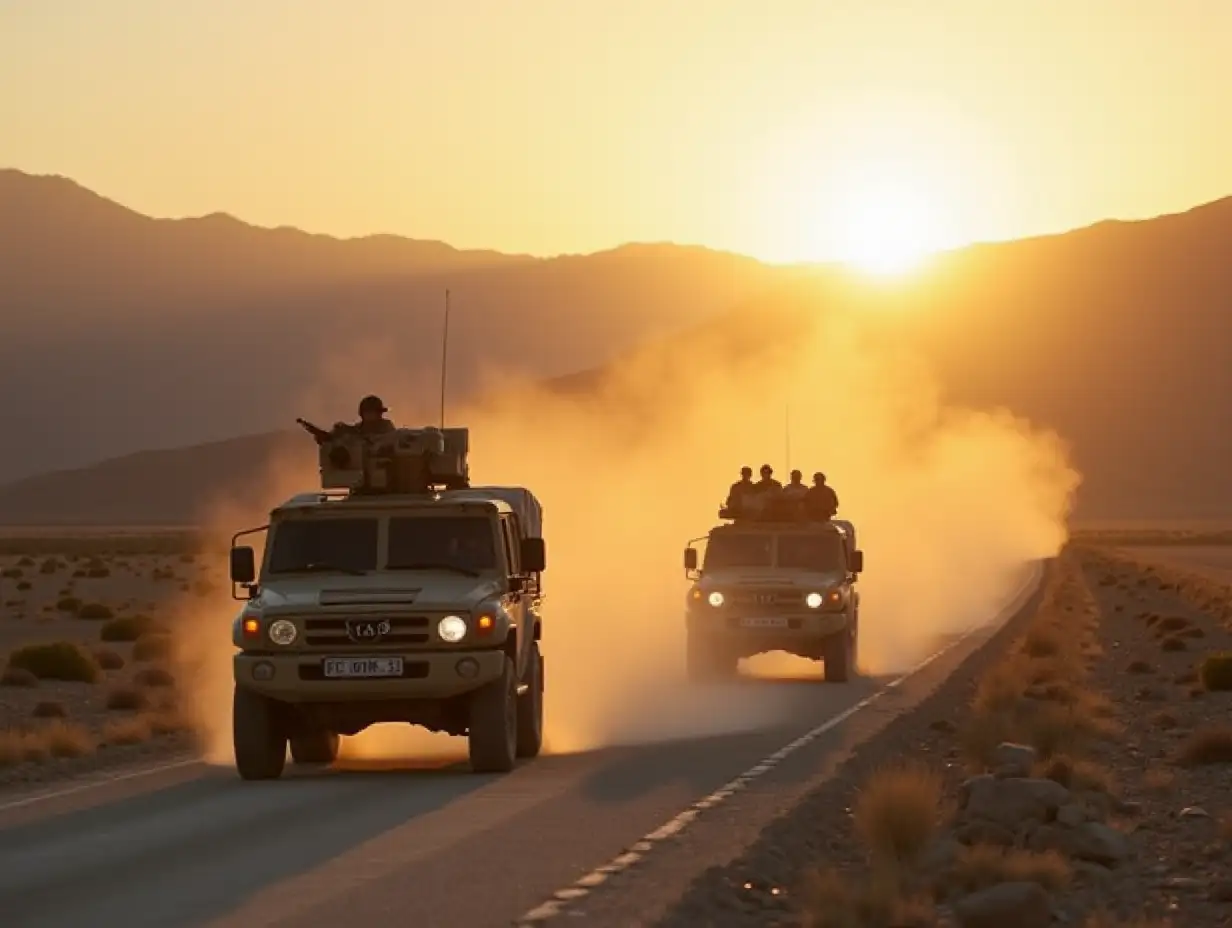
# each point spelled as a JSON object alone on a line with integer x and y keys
{"x": 796, "y": 475}
{"x": 819, "y": 477}
{"x": 372, "y": 404}
{"x": 746, "y": 472}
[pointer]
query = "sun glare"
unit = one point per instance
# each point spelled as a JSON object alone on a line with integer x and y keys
{"x": 888, "y": 228}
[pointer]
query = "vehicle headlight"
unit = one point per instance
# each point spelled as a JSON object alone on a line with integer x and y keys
{"x": 814, "y": 600}
{"x": 716, "y": 599}
{"x": 452, "y": 628}
{"x": 283, "y": 632}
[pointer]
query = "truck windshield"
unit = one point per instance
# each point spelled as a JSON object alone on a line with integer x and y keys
{"x": 461, "y": 543}
{"x": 812, "y": 552}
{"x": 303, "y": 545}
{"x": 739, "y": 551}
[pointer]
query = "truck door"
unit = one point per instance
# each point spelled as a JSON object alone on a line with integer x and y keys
{"x": 517, "y": 603}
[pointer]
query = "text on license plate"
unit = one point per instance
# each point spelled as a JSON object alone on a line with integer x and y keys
{"x": 764, "y": 622}
{"x": 363, "y": 667}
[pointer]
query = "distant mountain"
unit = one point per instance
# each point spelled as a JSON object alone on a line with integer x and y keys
{"x": 123, "y": 331}
{"x": 1118, "y": 336}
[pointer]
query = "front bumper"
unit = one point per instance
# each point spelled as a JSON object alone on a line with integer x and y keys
{"x": 299, "y": 677}
{"x": 787, "y": 627}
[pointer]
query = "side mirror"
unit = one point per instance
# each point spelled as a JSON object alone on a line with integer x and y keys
{"x": 534, "y": 555}
{"x": 243, "y": 565}
{"x": 857, "y": 561}
{"x": 690, "y": 559}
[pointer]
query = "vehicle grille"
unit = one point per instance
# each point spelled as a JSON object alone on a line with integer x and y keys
{"x": 332, "y": 632}
{"x": 767, "y": 599}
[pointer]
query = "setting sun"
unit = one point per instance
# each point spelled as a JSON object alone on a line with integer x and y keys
{"x": 888, "y": 228}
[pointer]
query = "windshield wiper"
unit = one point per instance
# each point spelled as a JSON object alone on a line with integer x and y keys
{"x": 318, "y": 567}
{"x": 435, "y": 565}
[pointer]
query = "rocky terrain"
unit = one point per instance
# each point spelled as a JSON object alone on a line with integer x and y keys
{"x": 1072, "y": 773}
{"x": 89, "y": 674}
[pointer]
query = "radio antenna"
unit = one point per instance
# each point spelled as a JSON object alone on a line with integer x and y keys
{"x": 444, "y": 358}
{"x": 787, "y": 436}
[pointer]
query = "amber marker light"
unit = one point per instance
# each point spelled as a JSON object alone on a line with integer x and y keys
{"x": 485, "y": 624}
{"x": 252, "y": 628}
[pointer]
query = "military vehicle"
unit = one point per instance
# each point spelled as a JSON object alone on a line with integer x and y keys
{"x": 773, "y": 581}
{"x": 395, "y": 593}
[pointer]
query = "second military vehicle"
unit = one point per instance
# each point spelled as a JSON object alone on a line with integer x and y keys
{"x": 781, "y": 584}
{"x": 396, "y": 593}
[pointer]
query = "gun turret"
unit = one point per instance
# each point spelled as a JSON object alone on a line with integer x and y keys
{"x": 400, "y": 461}
{"x": 315, "y": 431}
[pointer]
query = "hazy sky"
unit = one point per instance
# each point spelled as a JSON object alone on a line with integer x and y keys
{"x": 786, "y": 129}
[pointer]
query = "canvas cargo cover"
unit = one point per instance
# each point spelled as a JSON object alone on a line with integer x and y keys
{"x": 520, "y": 500}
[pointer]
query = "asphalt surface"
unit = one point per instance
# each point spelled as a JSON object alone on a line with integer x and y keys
{"x": 426, "y": 846}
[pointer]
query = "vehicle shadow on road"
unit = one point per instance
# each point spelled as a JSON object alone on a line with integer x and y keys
{"x": 212, "y": 842}
{"x": 699, "y": 765}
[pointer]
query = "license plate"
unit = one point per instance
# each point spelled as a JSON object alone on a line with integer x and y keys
{"x": 352, "y": 667}
{"x": 764, "y": 622}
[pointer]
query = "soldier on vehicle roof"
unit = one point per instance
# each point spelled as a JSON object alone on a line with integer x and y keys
{"x": 795, "y": 489}
{"x": 821, "y": 500}
{"x": 767, "y": 481}
{"x": 740, "y": 490}
{"x": 372, "y": 419}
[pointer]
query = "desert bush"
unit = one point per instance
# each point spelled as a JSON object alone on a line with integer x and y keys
{"x": 58, "y": 660}
{"x": 153, "y": 677}
{"x": 833, "y": 900}
{"x": 898, "y": 811}
{"x": 127, "y": 699}
{"x": 1139, "y": 667}
{"x": 49, "y": 710}
{"x": 68, "y": 604}
{"x": 17, "y": 677}
{"x": 1207, "y": 746}
{"x": 65, "y": 739}
{"x": 1080, "y": 775}
{"x": 108, "y": 659}
{"x": 152, "y": 647}
{"x": 94, "y": 611}
{"x": 134, "y": 730}
{"x": 126, "y": 628}
{"x": 1173, "y": 643}
{"x": 1215, "y": 672}
{"x": 981, "y": 866}
{"x": 25, "y": 586}
{"x": 50, "y": 566}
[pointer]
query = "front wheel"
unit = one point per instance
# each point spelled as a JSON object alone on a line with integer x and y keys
{"x": 492, "y": 738}
{"x": 839, "y": 656}
{"x": 259, "y": 736}
{"x": 708, "y": 661}
{"x": 530, "y": 707}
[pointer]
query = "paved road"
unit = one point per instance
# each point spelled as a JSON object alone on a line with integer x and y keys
{"x": 433, "y": 846}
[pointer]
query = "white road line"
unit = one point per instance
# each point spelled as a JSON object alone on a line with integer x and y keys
{"x": 98, "y": 783}
{"x": 638, "y": 851}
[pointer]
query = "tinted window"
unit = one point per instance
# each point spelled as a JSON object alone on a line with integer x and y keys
{"x": 324, "y": 544}
{"x": 461, "y": 541}
{"x": 814, "y": 552}
{"x": 739, "y": 551}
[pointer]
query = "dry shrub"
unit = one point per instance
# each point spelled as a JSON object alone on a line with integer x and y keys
{"x": 153, "y": 677}
{"x": 58, "y": 660}
{"x": 127, "y": 699}
{"x": 983, "y": 865}
{"x": 18, "y": 677}
{"x": 1173, "y": 643}
{"x": 898, "y": 811}
{"x": 832, "y": 901}
{"x": 1139, "y": 667}
{"x": 133, "y": 730}
{"x": 1079, "y": 775}
{"x": 1207, "y": 746}
{"x": 126, "y": 628}
{"x": 1043, "y": 641}
{"x": 108, "y": 659}
{"x": 49, "y": 709}
{"x": 152, "y": 647}
{"x": 65, "y": 739}
{"x": 1164, "y": 720}
{"x": 1216, "y": 672}
{"x": 97, "y": 612}
{"x": 1173, "y": 623}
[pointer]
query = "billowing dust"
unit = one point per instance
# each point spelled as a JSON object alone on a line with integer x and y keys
{"x": 948, "y": 505}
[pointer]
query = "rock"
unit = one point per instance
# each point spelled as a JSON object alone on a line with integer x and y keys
{"x": 1182, "y": 882}
{"x": 1193, "y": 812}
{"x": 971, "y": 783}
{"x": 980, "y": 832}
{"x": 1014, "y": 801}
{"x": 1006, "y": 905}
{"x": 1015, "y": 757}
{"x": 941, "y": 855}
{"x": 1096, "y": 842}
{"x": 1071, "y": 815}
{"x": 1221, "y": 891}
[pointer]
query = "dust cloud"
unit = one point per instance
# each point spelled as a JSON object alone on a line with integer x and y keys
{"x": 948, "y": 503}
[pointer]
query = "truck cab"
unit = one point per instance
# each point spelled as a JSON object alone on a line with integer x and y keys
{"x": 370, "y": 607}
{"x": 774, "y": 586}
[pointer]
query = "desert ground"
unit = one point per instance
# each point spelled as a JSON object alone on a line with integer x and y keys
{"x": 1066, "y": 766}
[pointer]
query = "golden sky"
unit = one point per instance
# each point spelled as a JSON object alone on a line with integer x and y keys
{"x": 784, "y": 129}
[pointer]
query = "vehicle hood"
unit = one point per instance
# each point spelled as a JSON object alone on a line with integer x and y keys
{"x": 804, "y": 580}
{"x": 421, "y": 590}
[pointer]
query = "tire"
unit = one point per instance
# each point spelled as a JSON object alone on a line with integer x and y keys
{"x": 839, "y": 657}
{"x": 707, "y": 662}
{"x": 317, "y": 747}
{"x": 530, "y": 707}
{"x": 492, "y": 738}
{"x": 259, "y": 736}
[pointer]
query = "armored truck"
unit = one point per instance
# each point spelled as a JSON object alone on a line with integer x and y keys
{"x": 395, "y": 593}
{"x": 773, "y": 585}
